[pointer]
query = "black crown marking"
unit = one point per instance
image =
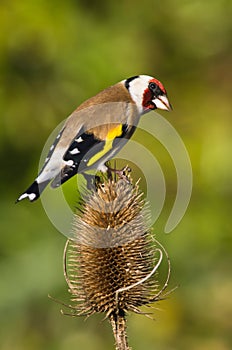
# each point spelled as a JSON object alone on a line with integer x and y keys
{"x": 127, "y": 82}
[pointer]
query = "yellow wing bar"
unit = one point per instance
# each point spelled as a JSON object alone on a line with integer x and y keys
{"x": 112, "y": 134}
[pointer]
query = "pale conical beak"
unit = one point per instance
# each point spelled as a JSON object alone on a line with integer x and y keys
{"x": 162, "y": 102}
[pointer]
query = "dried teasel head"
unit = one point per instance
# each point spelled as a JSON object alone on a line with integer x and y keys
{"x": 111, "y": 262}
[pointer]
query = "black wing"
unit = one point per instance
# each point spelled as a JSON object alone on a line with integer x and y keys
{"x": 82, "y": 149}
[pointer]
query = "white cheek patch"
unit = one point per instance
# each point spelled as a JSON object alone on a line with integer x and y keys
{"x": 137, "y": 88}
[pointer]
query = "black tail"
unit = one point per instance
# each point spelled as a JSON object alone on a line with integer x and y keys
{"x": 34, "y": 191}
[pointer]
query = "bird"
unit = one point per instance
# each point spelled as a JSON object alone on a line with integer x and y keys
{"x": 97, "y": 130}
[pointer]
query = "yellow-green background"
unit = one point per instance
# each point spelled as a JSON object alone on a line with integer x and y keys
{"x": 55, "y": 54}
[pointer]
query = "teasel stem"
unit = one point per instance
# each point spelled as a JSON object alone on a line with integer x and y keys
{"x": 118, "y": 324}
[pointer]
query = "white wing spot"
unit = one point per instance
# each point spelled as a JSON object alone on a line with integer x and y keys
{"x": 74, "y": 151}
{"x": 58, "y": 136}
{"x": 80, "y": 139}
{"x": 47, "y": 159}
{"x": 70, "y": 162}
{"x": 52, "y": 147}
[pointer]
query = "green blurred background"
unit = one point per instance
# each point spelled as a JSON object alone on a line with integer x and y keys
{"x": 53, "y": 56}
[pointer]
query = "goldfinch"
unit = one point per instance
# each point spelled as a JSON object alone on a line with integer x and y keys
{"x": 97, "y": 130}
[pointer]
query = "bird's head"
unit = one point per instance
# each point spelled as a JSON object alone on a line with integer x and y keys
{"x": 148, "y": 93}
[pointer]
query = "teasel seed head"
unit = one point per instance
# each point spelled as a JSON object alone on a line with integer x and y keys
{"x": 111, "y": 261}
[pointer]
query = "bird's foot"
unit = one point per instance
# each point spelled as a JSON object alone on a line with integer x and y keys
{"x": 121, "y": 173}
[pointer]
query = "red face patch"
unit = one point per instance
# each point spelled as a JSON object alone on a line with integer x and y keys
{"x": 157, "y": 82}
{"x": 154, "y": 89}
{"x": 147, "y": 99}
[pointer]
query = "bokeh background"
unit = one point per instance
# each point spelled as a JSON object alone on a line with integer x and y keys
{"x": 55, "y": 54}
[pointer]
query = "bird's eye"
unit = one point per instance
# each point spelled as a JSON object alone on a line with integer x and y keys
{"x": 153, "y": 87}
